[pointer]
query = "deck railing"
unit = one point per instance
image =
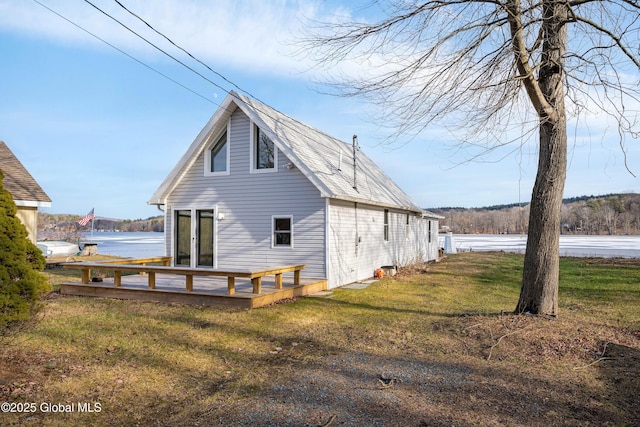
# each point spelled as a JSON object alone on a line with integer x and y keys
{"x": 141, "y": 266}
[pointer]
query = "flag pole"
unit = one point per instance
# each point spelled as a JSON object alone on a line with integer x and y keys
{"x": 94, "y": 215}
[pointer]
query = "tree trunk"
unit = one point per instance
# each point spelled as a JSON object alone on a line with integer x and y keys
{"x": 539, "y": 292}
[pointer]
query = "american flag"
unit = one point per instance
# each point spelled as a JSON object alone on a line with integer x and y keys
{"x": 84, "y": 221}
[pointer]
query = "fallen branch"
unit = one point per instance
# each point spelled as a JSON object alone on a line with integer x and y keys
{"x": 330, "y": 421}
{"x": 504, "y": 336}
{"x": 601, "y": 358}
{"x": 473, "y": 326}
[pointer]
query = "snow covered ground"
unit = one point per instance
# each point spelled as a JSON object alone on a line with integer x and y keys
{"x": 587, "y": 246}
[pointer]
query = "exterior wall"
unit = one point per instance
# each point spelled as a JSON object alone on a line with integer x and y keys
{"x": 357, "y": 245}
{"x": 29, "y": 217}
{"x": 248, "y": 201}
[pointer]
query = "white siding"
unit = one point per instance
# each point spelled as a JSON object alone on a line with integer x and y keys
{"x": 357, "y": 246}
{"x": 248, "y": 202}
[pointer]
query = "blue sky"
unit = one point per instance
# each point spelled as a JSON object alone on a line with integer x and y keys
{"x": 99, "y": 130}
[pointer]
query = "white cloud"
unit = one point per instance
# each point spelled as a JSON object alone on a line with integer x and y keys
{"x": 249, "y": 34}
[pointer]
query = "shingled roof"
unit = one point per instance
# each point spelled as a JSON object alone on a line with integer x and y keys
{"x": 19, "y": 182}
{"x": 326, "y": 161}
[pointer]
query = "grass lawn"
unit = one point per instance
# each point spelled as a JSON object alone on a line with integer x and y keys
{"x": 435, "y": 345}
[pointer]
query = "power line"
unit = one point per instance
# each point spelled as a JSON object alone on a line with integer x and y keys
{"x": 125, "y": 53}
{"x": 158, "y": 48}
{"x": 266, "y": 113}
{"x": 184, "y": 50}
{"x": 205, "y": 65}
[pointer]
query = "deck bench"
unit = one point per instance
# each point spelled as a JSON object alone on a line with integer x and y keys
{"x": 141, "y": 267}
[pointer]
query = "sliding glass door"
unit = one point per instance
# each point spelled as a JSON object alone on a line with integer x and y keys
{"x": 194, "y": 234}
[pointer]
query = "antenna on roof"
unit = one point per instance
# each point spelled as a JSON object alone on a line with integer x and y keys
{"x": 355, "y": 149}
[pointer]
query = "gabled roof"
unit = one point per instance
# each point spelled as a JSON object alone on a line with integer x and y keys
{"x": 18, "y": 181}
{"x": 326, "y": 161}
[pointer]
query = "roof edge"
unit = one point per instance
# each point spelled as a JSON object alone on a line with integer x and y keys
{"x": 32, "y": 204}
{"x": 190, "y": 156}
{"x": 378, "y": 204}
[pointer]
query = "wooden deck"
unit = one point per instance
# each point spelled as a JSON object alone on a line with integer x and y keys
{"x": 229, "y": 289}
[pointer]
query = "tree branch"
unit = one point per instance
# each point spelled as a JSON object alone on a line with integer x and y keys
{"x": 543, "y": 108}
{"x": 612, "y": 36}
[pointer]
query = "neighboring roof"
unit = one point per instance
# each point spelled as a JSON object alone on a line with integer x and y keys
{"x": 326, "y": 161}
{"x": 18, "y": 181}
{"x": 429, "y": 214}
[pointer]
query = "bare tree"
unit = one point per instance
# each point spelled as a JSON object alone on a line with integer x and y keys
{"x": 496, "y": 66}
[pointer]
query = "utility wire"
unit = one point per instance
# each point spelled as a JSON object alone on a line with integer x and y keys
{"x": 266, "y": 113}
{"x": 158, "y": 48}
{"x": 184, "y": 50}
{"x": 206, "y": 66}
{"x": 125, "y": 53}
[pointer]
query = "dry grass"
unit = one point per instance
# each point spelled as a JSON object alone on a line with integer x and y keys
{"x": 435, "y": 347}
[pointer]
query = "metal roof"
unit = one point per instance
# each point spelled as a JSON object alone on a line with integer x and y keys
{"x": 326, "y": 161}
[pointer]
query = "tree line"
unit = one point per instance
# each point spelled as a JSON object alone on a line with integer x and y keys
{"x": 613, "y": 214}
{"x": 66, "y": 227}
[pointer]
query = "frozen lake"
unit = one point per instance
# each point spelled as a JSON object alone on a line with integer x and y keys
{"x": 129, "y": 245}
{"x": 570, "y": 245}
{"x": 152, "y": 244}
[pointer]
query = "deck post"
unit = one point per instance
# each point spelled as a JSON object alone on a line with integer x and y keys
{"x": 117, "y": 278}
{"x": 152, "y": 280}
{"x": 257, "y": 284}
{"x": 231, "y": 285}
{"x": 189, "y": 282}
{"x": 279, "y": 281}
{"x": 296, "y": 277}
{"x": 86, "y": 275}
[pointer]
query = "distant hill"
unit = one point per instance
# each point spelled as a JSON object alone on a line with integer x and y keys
{"x": 606, "y": 214}
{"x": 522, "y": 204}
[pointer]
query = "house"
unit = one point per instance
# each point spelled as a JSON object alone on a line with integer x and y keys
{"x": 257, "y": 188}
{"x": 26, "y": 192}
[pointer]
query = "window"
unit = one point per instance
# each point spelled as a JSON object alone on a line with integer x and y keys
{"x": 282, "y": 231}
{"x": 386, "y": 225}
{"x": 429, "y": 232}
{"x": 264, "y": 154}
{"x": 216, "y": 161}
{"x": 219, "y": 155}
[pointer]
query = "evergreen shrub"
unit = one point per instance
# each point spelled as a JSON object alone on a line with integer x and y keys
{"x": 21, "y": 283}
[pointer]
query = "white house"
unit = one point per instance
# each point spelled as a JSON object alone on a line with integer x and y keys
{"x": 258, "y": 189}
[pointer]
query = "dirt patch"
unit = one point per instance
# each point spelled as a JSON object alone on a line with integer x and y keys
{"x": 362, "y": 389}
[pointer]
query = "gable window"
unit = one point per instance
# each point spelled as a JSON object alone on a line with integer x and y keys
{"x": 282, "y": 231}
{"x": 219, "y": 155}
{"x": 386, "y": 225}
{"x": 264, "y": 153}
{"x": 216, "y": 160}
